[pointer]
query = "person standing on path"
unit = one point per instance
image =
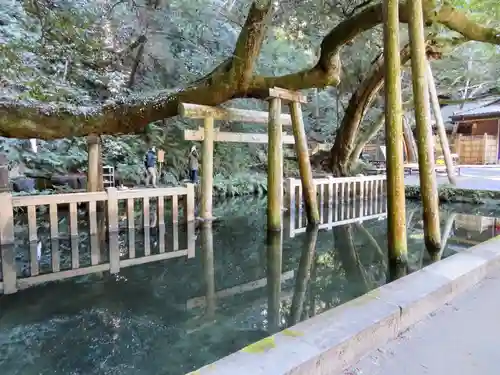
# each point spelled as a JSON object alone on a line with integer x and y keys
{"x": 150, "y": 164}
{"x": 193, "y": 165}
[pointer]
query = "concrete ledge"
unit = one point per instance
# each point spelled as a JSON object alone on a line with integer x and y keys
{"x": 327, "y": 343}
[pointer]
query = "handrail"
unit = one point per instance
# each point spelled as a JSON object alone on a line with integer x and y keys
{"x": 11, "y": 283}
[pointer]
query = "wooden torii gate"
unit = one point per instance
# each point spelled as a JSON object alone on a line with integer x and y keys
{"x": 274, "y": 137}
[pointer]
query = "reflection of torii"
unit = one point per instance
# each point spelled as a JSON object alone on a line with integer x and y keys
{"x": 238, "y": 289}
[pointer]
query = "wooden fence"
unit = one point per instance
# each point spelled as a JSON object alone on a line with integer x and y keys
{"x": 11, "y": 282}
{"x": 477, "y": 149}
{"x": 345, "y": 200}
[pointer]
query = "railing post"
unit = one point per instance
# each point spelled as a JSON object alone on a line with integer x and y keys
{"x": 7, "y": 243}
{"x": 331, "y": 181}
{"x": 290, "y": 194}
{"x": 331, "y": 198}
{"x": 189, "y": 203}
{"x": 114, "y": 251}
{"x": 94, "y": 182}
{"x": 7, "y": 230}
{"x": 191, "y": 240}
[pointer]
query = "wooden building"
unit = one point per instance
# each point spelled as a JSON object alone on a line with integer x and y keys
{"x": 477, "y": 132}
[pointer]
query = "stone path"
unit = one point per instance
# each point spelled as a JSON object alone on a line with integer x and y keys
{"x": 470, "y": 178}
{"x": 463, "y": 338}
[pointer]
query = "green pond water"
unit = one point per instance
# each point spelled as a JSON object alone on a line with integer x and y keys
{"x": 174, "y": 316}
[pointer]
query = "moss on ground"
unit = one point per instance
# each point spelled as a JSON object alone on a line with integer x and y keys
{"x": 451, "y": 194}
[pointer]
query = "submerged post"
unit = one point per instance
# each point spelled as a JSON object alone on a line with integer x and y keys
{"x": 426, "y": 163}
{"x": 294, "y": 100}
{"x": 302, "y": 151}
{"x": 207, "y": 166}
{"x": 396, "y": 223}
{"x": 274, "y": 167}
{"x": 436, "y": 109}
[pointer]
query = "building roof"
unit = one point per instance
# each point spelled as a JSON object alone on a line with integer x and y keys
{"x": 487, "y": 110}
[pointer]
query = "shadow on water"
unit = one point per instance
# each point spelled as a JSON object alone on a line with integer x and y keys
{"x": 176, "y": 315}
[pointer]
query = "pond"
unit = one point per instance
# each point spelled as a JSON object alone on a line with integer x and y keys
{"x": 174, "y": 316}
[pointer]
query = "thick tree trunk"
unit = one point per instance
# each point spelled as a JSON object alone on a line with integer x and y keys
{"x": 341, "y": 160}
{"x": 231, "y": 79}
{"x": 364, "y": 138}
{"x": 135, "y": 65}
{"x": 396, "y": 223}
{"x": 428, "y": 183}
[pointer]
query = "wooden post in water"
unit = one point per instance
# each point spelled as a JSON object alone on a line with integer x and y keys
{"x": 274, "y": 167}
{"x": 93, "y": 174}
{"x": 113, "y": 229}
{"x": 294, "y": 100}
{"x": 95, "y": 183}
{"x": 426, "y": 162}
{"x": 436, "y": 109}
{"x": 207, "y": 169}
{"x": 396, "y": 224}
{"x": 274, "y": 260}
{"x": 302, "y": 151}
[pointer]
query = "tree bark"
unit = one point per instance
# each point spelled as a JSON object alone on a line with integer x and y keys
{"x": 428, "y": 184}
{"x": 365, "y": 137}
{"x": 341, "y": 153}
{"x": 396, "y": 223}
{"x": 233, "y": 78}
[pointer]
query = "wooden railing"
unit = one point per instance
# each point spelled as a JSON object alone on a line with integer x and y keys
{"x": 99, "y": 222}
{"x": 341, "y": 200}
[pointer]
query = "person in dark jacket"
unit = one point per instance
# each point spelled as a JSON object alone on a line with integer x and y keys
{"x": 150, "y": 164}
{"x": 193, "y": 165}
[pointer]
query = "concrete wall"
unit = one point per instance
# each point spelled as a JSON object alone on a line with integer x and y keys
{"x": 327, "y": 343}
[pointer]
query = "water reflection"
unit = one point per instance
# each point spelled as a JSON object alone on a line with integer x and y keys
{"x": 207, "y": 255}
{"x": 303, "y": 275}
{"x": 274, "y": 252}
{"x": 172, "y": 316}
